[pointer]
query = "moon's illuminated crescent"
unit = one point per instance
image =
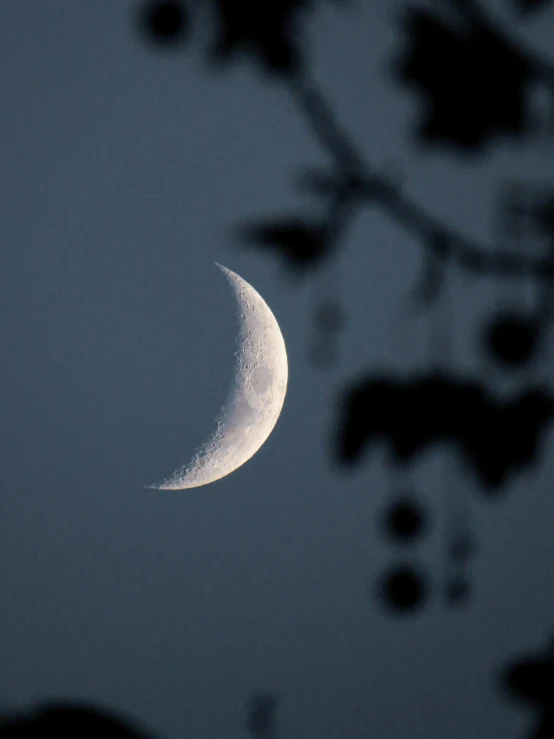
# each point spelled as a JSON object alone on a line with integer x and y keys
{"x": 256, "y": 399}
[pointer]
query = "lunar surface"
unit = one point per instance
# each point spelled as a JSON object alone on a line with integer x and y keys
{"x": 255, "y": 401}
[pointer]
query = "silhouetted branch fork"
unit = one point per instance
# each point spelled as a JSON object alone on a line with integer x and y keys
{"x": 448, "y": 244}
{"x": 325, "y": 124}
{"x": 362, "y": 185}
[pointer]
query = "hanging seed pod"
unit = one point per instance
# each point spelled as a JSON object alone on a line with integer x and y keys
{"x": 511, "y": 339}
{"x": 405, "y": 520}
{"x": 403, "y": 589}
{"x": 165, "y": 22}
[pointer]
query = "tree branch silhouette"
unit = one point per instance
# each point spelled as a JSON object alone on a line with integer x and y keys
{"x": 360, "y": 184}
{"x": 475, "y": 81}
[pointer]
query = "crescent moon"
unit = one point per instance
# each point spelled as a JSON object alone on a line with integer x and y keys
{"x": 256, "y": 398}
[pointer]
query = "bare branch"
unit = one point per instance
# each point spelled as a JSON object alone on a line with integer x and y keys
{"x": 364, "y": 185}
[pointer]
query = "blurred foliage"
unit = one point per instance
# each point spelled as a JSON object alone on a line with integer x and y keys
{"x": 473, "y": 83}
{"x": 530, "y": 680}
{"x": 300, "y": 242}
{"x": 68, "y": 720}
{"x": 166, "y": 22}
{"x": 511, "y": 339}
{"x": 403, "y": 589}
{"x": 495, "y": 437}
{"x": 405, "y": 520}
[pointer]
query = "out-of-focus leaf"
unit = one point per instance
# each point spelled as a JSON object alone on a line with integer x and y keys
{"x": 165, "y": 22}
{"x": 403, "y": 589}
{"x": 300, "y": 242}
{"x": 495, "y": 437}
{"x": 530, "y": 680}
{"x": 268, "y": 30}
{"x": 65, "y": 720}
{"x": 405, "y": 520}
{"x": 543, "y": 213}
{"x": 474, "y": 85}
{"x": 512, "y": 339}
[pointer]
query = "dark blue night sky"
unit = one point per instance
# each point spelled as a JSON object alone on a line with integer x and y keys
{"x": 125, "y": 170}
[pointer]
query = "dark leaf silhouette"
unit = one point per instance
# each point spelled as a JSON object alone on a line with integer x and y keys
{"x": 495, "y": 437}
{"x": 405, "y": 520}
{"x": 403, "y": 589}
{"x": 301, "y": 243}
{"x": 531, "y": 680}
{"x": 473, "y": 83}
{"x": 165, "y": 22}
{"x": 268, "y": 30}
{"x": 61, "y": 720}
{"x": 511, "y": 339}
{"x": 261, "y": 714}
{"x": 544, "y": 217}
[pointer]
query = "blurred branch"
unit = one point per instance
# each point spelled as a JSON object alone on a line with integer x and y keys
{"x": 363, "y": 185}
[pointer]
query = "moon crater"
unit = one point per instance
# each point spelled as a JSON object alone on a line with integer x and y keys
{"x": 261, "y": 380}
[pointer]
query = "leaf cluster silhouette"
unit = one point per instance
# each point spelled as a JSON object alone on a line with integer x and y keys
{"x": 68, "y": 720}
{"x": 403, "y": 589}
{"x": 496, "y": 437}
{"x": 300, "y": 242}
{"x": 165, "y": 22}
{"x": 266, "y": 29}
{"x": 474, "y": 84}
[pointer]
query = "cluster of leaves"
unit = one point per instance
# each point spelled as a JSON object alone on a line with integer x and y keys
{"x": 474, "y": 83}
{"x": 299, "y": 241}
{"x": 494, "y": 437}
{"x": 267, "y": 31}
{"x": 67, "y": 720}
{"x": 475, "y": 86}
